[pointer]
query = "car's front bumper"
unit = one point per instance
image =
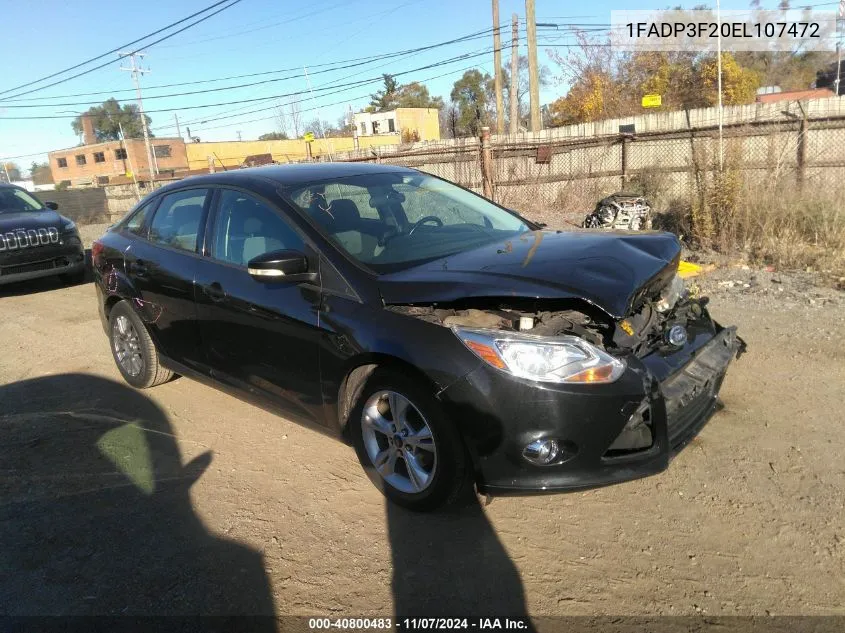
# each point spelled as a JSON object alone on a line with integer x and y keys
{"x": 499, "y": 415}
{"x": 67, "y": 257}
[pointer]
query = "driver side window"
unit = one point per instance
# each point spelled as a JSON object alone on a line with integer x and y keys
{"x": 245, "y": 227}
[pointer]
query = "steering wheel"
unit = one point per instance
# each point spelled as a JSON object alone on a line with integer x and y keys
{"x": 429, "y": 218}
{"x": 421, "y": 221}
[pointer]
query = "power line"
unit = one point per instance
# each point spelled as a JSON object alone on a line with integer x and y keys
{"x": 366, "y": 61}
{"x": 90, "y": 70}
{"x": 465, "y": 56}
{"x": 114, "y": 50}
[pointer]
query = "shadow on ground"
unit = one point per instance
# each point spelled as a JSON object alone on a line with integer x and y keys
{"x": 451, "y": 564}
{"x": 95, "y": 512}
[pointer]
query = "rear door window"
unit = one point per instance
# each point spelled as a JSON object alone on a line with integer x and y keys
{"x": 178, "y": 219}
{"x": 245, "y": 227}
{"x": 136, "y": 222}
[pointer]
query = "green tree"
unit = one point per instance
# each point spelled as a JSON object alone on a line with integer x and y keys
{"x": 470, "y": 98}
{"x": 384, "y": 99}
{"x": 415, "y": 95}
{"x": 109, "y": 116}
{"x": 273, "y": 136}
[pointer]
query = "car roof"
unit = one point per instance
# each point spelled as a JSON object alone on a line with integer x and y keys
{"x": 299, "y": 173}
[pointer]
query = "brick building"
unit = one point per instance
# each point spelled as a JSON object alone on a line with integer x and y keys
{"x": 93, "y": 163}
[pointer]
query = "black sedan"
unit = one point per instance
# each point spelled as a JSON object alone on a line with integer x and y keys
{"x": 450, "y": 340}
{"x": 35, "y": 241}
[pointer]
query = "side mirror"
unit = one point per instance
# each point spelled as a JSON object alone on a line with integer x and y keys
{"x": 281, "y": 266}
{"x": 52, "y": 205}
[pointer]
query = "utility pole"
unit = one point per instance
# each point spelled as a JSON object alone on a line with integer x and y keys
{"x": 719, "y": 84}
{"x": 840, "y": 16}
{"x": 514, "y": 87}
{"x": 6, "y": 169}
{"x": 239, "y": 135}
{"x": 136, "y": 72}
{"x": 533, "y": 77}
{"x": 178, "y": 129}
{"x": 319, "y": 115}
{"x": 129, "y": 160}
{"x": 497, "y": 70}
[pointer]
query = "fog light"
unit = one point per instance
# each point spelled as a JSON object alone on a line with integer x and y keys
{"x": 677, "y": 335}
{"x": 541, "y": 452}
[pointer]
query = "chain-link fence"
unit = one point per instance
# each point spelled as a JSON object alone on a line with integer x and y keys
{"x": 558, "y": 180}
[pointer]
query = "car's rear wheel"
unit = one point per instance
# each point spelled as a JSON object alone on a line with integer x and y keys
{"x": 407, "y": 447}
{"x": 133, "y": 350}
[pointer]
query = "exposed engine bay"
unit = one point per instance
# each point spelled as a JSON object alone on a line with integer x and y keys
{"x": 626, "y": 211}
{"x": 647, "y": 327}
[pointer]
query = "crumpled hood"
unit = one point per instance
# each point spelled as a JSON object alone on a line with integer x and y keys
{"x": 611, "y": 270}
{"x": 30, "y": 220}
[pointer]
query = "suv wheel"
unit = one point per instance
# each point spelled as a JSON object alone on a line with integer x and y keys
{"x": 407, "y": 447}
{"x": 133, "y": 350}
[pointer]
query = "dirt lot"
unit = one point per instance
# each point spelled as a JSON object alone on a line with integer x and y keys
{"x": 228, "y": 509}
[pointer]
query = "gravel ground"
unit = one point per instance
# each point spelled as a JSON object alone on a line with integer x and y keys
{"x": 182, "y": 499}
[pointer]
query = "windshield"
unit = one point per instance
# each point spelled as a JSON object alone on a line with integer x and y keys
{"x": 391, "y": 221}
{"x": 17, "y": 200}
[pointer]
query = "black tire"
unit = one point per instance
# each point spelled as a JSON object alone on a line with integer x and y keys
{"x": 452, "y": 478}
{"x": 73, "y": 279}
{"x": 151, "y": 373}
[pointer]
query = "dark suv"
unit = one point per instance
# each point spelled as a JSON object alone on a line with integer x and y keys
{"x": 450, "y": 340}
{"x": 35, "y": 241}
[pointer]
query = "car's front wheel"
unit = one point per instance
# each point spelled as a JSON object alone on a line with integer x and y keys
{"x": 133, "y": 350}
{"x": 407, "y": 447}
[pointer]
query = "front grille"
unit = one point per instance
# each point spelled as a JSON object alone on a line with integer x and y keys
{"x": 18, "y": 239}
{"x": 50, "y": 264}
{"x": 686, "y": 420}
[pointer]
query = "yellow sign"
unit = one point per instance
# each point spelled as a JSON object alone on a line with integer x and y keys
{"x": 652, "y": 101}
{"x": 308, "y": 137}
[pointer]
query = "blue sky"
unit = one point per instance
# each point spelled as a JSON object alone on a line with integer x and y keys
{"x": 252, "y": 37}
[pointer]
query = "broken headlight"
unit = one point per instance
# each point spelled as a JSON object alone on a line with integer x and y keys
{"x": 670, "y": 295}
{"x": 560, "y": 359}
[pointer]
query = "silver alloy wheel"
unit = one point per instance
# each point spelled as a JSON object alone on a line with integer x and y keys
{"x": 398, "y": 441}
{"x": 127, "y": 346}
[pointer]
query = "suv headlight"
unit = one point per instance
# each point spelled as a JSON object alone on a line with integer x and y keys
{"x": 558, "y": 359}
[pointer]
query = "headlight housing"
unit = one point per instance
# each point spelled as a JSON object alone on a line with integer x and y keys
{"x": 671, "y": 293}
{"x": 558, "y": 359}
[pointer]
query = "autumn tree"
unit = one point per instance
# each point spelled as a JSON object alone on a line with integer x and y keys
{"x": 739, "y": 85}
{"x": 470, "y": 98}
{"x": 109, "y": 116}
{"x": 11, "y": 170}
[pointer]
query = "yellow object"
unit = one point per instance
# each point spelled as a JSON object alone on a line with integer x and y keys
{"x": 652, "y": 101}
{"x": 627, "y": 327}
{"x": 308, "y": 137}
{"x": 688, "y": 269}
{"x": 233, "y": 153}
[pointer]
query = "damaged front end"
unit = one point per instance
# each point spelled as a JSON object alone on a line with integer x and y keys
{"x": 613, "y": 396}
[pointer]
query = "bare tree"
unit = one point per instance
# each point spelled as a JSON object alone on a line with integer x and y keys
{"x": 281, "y": 119}
{"x": 296, "y": 117}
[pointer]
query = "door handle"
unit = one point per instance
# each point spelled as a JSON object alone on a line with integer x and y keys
{"x": 215, "y": 292}
{"x": 139, "y": 268}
